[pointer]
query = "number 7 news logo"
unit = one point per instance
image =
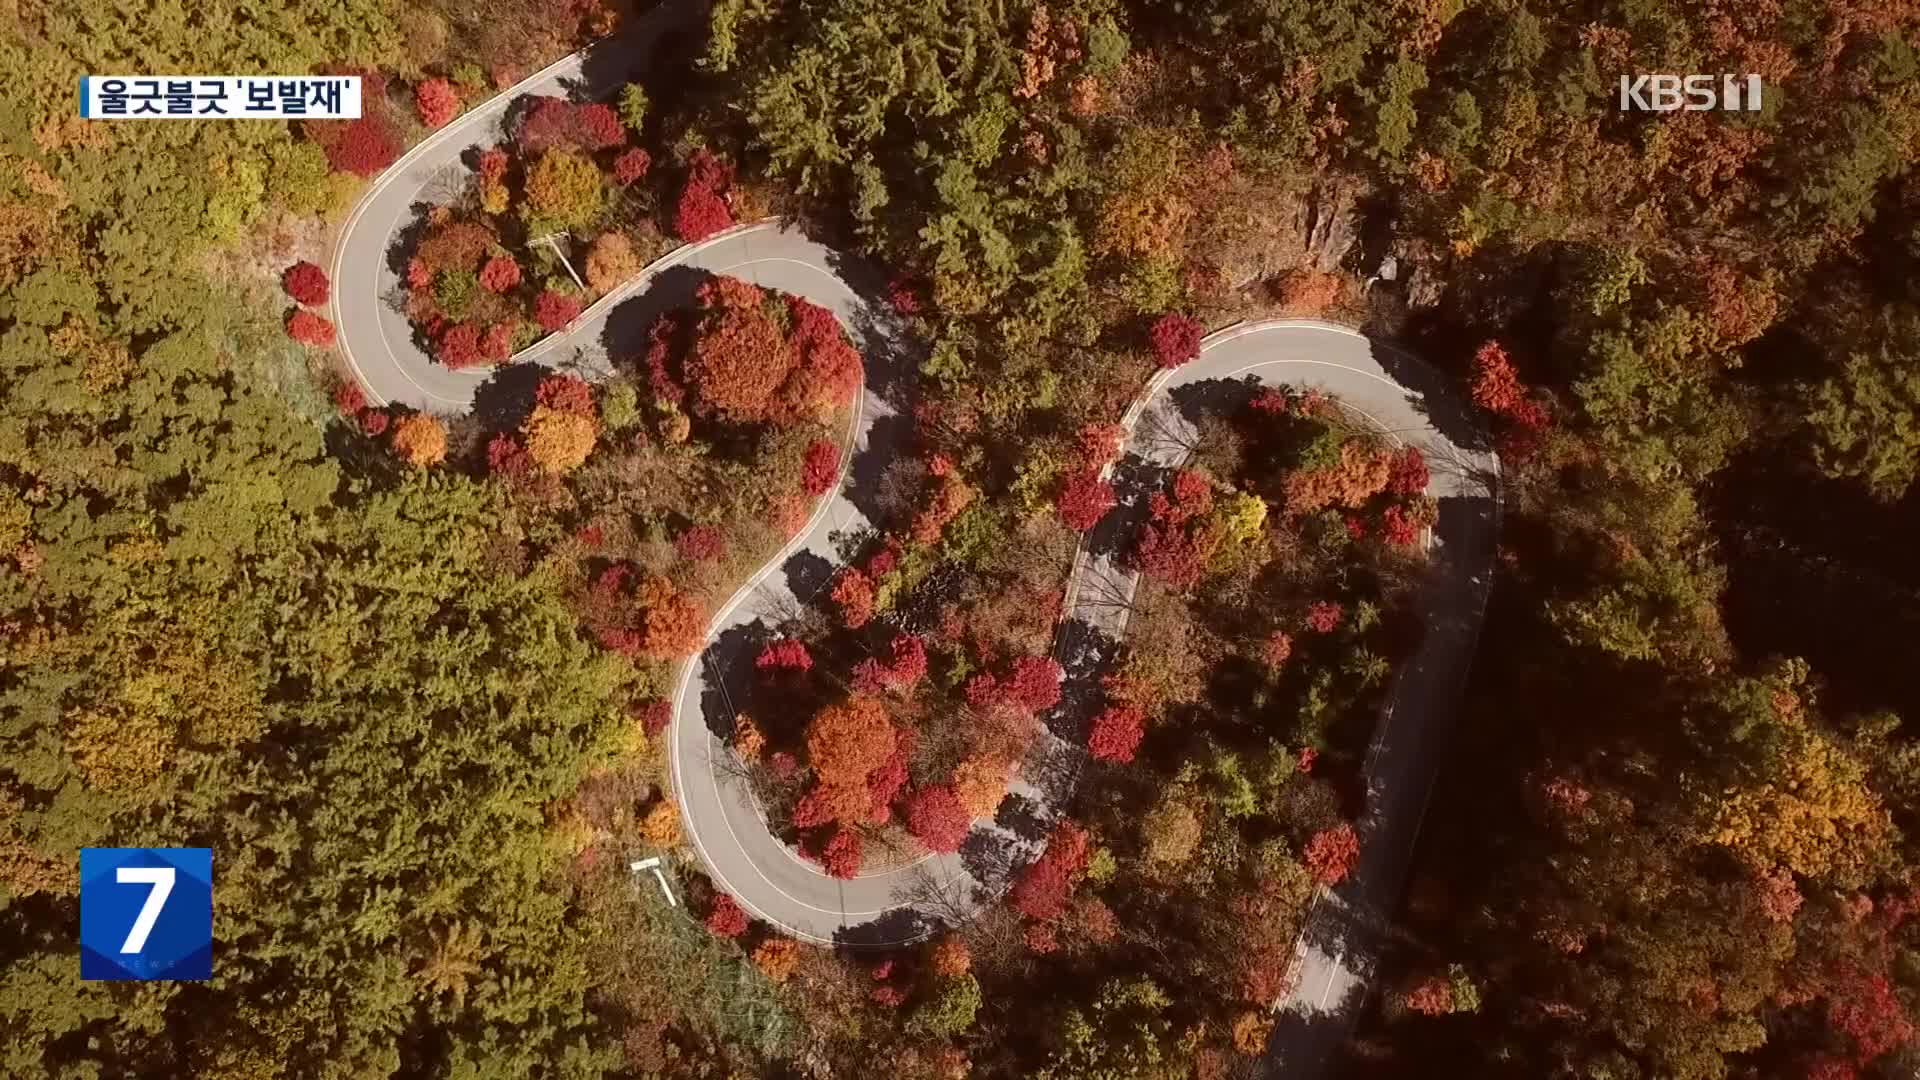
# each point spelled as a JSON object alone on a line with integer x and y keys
{"x": 146, "y": 913}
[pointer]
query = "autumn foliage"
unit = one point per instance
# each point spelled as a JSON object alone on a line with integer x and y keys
{"x": 777, "y": 958}
{"x": 499, "y": 274}
{"x": 1045, "y": 888}
{"x": 631, "y": 167}
{"x": 1117, "y": 732}
{"x": 1084, "y": 499}
{"x": 842, "y": 854}
{"x": 675, "y": 622}
{"x": 1497, "y": 389}
{"x": 907, "y": 667}
{"x": 563, "y": 428}
{"x": 1175, "y": 339}
{"x": 307, "y": 328}
{"x": 745, "y": 367}
{"x": 853, "y": 747}
{"x": 1407, "y": 472}
{"x": 610, "y": 261}
{"x": 937, "y": 819}
{"x": 853, "y": 593}
{"x": 820, "y": 468}
{"x": 1331, "y": 853}
{"x": 554, "y": 310}
{"x": 1323, "y": 616}
{"x": 555, "y": 122}
{"x": 1496, "y": 386}
{"x": 725, "y": 919}
{"x": 420, "y": 439}
{"x": 306, "y": 283}
{"x": 437, "y": 102}
{"x": 701, "y": 543}
{"x": 785, "y": 655}
{"x": 702, "y": 209}
{"x": 366, "y": 145}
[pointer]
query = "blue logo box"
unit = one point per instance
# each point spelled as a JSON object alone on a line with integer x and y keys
{"x": 146, "y": 913}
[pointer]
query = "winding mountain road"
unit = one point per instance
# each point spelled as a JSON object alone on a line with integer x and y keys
{"x": 1402, "y": 397}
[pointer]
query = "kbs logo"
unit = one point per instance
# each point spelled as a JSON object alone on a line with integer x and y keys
{"x": 1694, "y": 93}
{"x": 146, "y": 913}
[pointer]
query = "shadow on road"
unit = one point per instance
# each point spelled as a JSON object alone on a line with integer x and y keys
{"x": 1304, "y": 1044}
{"x": 808, "y": 574}
{"x": 506, "y": 399}
{"x": 623, "y": 336}
{"x": 892, "y": 350}
{"x": 901, "y": 924}
{"x": 726, "y": 675}
{"x": 890, "y": 439}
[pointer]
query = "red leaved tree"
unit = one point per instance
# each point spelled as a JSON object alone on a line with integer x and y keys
{"x": 842, "y": 854}
{"x": 936, "y": 818}
{"x": 726, "y": 919}
{"x": 556, "y": 122}
{"x": 1866, "y": 1010}
{"x": 1431, "y": 996}
{"x": 1496, "y": 386}
{"x": 1034, "y": 685}
{"x": 1331, "y": 853}
{"x": 1323, "y": 616}
{"x": 654, "y": 716}
{"x": 349, "y": 398}
{"x": 1407, "y": 472}
{"x": 1099, "y": 443}
{"x": 826, "y": 367}
{"x": 1175, "y": 339}
{"x": 701, "y": 543}
{"x": 786, "y": 654}
{"x": 1117, "y": 732}
{"x": 853, "y": 592}
{"x": 1170, "y": 556}
{"x": 307, "y": 328}
{"x": 908, "y": 666}
{"x": 461, "y": 347}
{"x": 885, "y": 783}
{"x": 554, "y": 310}
{"x": 499, "y": 274}
{"x": 700, "y": 213}
{"x": 1084, "y": 499}
{"x": 493, "y": 165}
{"x": 631, "y": 166}
{"x": 366, "y": 145}
{"x": 437, "y": 102}
{"x": 740, "y": 358}
{"x": 1043, "y": 891}
{"x": 1276, "y": 649}
{"x": 905, "y": 296}
{"x": 1399, "y": 528}
{"x": 820, "y": 468}
{"x": 306, "y": 283}
{"x": 565, "y": 393}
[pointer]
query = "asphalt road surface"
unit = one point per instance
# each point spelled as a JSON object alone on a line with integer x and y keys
{"x": 1400, "y": 396}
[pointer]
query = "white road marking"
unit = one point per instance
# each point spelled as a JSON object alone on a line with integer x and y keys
{"x": 1333, "y": 971}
